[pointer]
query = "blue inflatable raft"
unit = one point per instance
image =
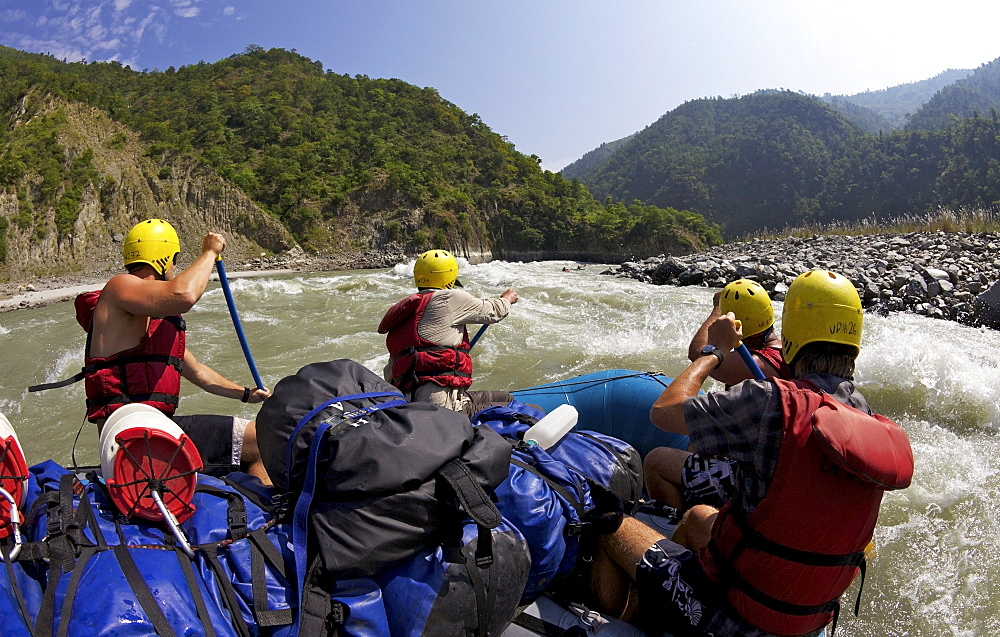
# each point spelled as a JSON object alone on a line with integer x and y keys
{"x": 615, "y": 402}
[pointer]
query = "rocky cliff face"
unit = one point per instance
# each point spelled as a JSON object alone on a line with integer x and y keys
{"x": 133, "y": 183}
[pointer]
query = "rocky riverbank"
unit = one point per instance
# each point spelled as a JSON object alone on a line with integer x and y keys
{"x": 940, "y": 275}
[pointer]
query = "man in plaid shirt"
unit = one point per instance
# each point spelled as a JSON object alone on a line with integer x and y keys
{"x": 685, "y": 587}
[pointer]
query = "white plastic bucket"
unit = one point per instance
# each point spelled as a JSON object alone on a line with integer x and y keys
{"x": 127, "y": 417}
{"x": 552, "y": 427}
{"x": 15, "y": 468}
{"x": 140, "y": 446}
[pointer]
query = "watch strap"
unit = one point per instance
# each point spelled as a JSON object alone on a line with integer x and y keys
{"x": 714, "y": 351}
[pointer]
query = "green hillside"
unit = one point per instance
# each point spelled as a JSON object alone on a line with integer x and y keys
{"x": 591, "y": 159}
{"x": 343, "y": 162}
{"x": 891, "y": 108}
{"x": 757, "y": 161}
{"x": 780, "y": 159}
{"x": 977, "y": 94}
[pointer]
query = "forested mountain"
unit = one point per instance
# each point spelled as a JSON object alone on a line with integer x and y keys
{"x": 778, "y": 159}
{"x": 344, "y": 163}
{"x": 750, "y": 162}
{"x": 977, "y": 94}
{"x": 890, "y": 108}
{"x": 593, "y": 158}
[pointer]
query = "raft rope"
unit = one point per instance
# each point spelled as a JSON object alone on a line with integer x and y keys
{"x": 594, "y": 381}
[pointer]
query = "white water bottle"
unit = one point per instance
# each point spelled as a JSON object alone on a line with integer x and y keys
{"x": 552, "y": 427}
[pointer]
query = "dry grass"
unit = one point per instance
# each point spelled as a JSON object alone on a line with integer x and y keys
{"x": 971, "y": 220}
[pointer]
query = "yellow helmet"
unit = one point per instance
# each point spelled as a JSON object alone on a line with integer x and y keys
{"x": 820, "y": 306}
{"x": 750, "y": 303}
{"x": 153, "y": 241}
{"x": 435, "y": 269}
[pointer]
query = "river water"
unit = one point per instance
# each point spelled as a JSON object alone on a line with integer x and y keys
{"x": 938, "y": 561}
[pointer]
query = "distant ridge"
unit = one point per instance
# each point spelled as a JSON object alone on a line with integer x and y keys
{"x": 593, "y": 158}
{"x": 890, "y": 107}
{"x": 977, "y": 94}
{"x": 779, "y": 159}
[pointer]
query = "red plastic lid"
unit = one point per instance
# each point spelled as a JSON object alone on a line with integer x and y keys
{"x": 13, "y": 472}
{"x": 148, "y": 458}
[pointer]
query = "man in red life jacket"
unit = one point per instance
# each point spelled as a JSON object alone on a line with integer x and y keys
{"x": 428, "y": 341}
{"x": 679, "y": 478}
{"x": 135, "y": 339}
{"x": 813, "y": 465}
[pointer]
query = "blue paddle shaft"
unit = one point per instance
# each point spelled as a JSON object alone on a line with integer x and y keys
{"x": 748, "y": 358}
{"x": 224, "y": 282}
{"x": 478, "y": 334}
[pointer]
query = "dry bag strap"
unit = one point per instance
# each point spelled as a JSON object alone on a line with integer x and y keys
{"x": 476, "y": 503}
{"x": 300, "y": 524}
{"x": 12, "y": 577}
{"x": 236, "y": 511}
{"x": 230, "y": 600}
{"x": 199, "y": 599}
{"x": 261, "y": 549}
{"x": 142, "y": 593}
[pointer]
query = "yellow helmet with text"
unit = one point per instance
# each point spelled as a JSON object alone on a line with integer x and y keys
{"x": 821, "y": 306}
{"x": 436, "y": 269}
{"x": 154, "y": 242}
{"x": 750, "y": 303}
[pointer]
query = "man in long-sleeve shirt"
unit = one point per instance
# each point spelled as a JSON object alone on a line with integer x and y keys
{"x": 428, "y": 340}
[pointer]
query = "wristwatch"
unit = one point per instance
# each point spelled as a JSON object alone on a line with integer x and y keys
{"x": 713, "y": 351}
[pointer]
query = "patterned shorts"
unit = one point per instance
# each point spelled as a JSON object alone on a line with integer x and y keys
{"x": 710, "y": 481}
{"x": 674, "y": 593}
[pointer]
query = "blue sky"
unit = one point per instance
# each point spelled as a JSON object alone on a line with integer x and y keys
{"x": 557, "y": 77}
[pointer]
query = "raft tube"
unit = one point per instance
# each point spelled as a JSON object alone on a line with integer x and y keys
{"x": 615, "y": 402}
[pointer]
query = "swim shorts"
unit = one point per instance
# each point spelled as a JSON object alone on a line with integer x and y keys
{"x": 676, "y": 595}
{"x": 674, "y": 592}
{"x": 219, "y": 440}
{"x": 710, "y": 481}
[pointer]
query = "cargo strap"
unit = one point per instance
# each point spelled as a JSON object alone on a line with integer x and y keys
{"x": 262, "y": 554}
{"x": 307, "y": 575}
{"x": 12, "y": 577}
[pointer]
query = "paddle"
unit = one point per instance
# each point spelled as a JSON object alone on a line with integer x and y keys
{"x": 748, "y": 358}
{"x": 478, "y": 334}
{"x": 224, "y": 281}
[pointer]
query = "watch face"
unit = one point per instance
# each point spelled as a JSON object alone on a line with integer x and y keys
{"x": 708, "y": 349}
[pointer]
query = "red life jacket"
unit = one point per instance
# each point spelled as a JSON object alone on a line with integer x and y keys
{"x": 786, "y": 564}
{"x": 149, "y": 373}
{"x": 416, "y": 360}
{"x": 773, "y": 355}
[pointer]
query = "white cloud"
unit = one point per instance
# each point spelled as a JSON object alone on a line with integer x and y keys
{"x": 58, "y": 49}
{"x": 92, "y": 29}
{"x": 229, "y": 11}
{"x": 15, "y": 15}
{"x": 185, "y": 8}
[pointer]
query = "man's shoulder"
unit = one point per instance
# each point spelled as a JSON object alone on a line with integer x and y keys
{"x": 119, "y": 282}
{"x": 452, "y": 292}
{"x": 452, "y": 297}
